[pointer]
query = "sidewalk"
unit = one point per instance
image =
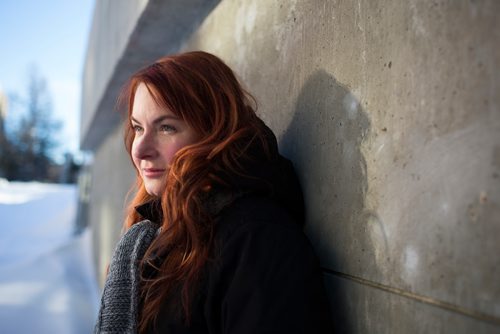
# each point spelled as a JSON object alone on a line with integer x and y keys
{"x": 47, "y": 283}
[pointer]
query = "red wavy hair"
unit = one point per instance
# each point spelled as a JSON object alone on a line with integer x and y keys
{"x": 205, "y": 93}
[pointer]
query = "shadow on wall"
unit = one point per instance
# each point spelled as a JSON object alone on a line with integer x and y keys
{"x": 324, "y": 142}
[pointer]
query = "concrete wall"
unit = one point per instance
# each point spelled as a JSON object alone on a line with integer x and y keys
{"x": 390, "y": 111}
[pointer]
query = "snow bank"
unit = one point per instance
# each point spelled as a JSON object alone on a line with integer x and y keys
{"x": 47, "y": 283}
{"x": 36, "y": 218}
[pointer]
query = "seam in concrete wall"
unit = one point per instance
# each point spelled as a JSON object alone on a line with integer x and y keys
{"x": 417, "y": 297}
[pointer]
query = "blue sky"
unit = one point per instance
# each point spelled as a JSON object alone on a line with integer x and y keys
{"x": 52, "y": 35}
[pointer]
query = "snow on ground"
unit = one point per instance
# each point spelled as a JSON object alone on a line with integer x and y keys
{"x": 47, "y": 283}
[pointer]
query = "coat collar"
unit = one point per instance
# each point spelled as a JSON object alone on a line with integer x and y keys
{"x": 215, "y": 202}
{"x": 151, "y": 211}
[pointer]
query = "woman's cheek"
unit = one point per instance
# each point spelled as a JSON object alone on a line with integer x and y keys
{"x": 170, "y": 151}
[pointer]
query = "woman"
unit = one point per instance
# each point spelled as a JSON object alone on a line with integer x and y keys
{"x": 214, "y": 241}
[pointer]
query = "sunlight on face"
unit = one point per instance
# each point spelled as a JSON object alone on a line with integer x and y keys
{"x": 159, "y": 134}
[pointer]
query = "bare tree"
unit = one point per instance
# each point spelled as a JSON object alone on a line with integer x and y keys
{"x": 30, "y": 145}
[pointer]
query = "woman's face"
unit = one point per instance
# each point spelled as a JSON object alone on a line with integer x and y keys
{"x": 159, "y": 134}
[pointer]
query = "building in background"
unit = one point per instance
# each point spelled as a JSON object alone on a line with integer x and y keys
{"x": 391, "y": 113}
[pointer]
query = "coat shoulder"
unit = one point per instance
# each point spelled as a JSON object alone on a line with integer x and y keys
{"x": 265, "y": 273}
{"x": 252, "y": 213}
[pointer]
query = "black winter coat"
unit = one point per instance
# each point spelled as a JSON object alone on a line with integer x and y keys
{"x": 264, "y": 277}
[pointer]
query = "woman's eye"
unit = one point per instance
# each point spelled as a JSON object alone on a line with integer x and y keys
{"x": 136, "y": 128}
{"x": 167, "y": 128}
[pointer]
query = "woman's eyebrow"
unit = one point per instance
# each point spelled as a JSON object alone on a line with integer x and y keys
{"x": 158, "y": 119}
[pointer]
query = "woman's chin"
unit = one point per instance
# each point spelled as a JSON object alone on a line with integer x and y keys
{"x": 153, "y": 189}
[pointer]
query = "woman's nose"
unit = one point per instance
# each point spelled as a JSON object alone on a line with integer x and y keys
{"x": 144, "y": 146}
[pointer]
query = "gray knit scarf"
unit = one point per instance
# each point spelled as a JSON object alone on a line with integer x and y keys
{"x": 120, "y": 298}
{"x": 119, "y": 303}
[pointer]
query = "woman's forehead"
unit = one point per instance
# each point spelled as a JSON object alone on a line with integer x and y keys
{"x": 145, "y": 104}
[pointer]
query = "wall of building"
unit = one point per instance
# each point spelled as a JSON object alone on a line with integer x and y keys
{"x": 390, "y": 112}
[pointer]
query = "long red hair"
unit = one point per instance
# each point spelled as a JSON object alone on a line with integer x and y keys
{"x": 205, "y": 93}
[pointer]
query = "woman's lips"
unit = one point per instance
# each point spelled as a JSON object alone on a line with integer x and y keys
{"x": 153, "y": 172}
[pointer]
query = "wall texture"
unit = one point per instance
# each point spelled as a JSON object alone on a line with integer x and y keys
{"x": 390, "y": 111}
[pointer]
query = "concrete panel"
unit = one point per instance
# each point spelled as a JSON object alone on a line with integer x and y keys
{"x": 390, "y": 111}
{"x": 378, "y": 311}
{"x": 113, "y": 23}
{"x": 112, "y": 178}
